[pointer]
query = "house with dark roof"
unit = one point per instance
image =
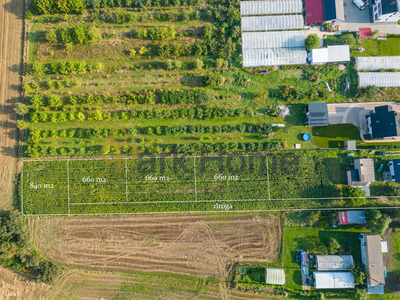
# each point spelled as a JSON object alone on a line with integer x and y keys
{"x": 371, "y": 256}
{"x": 334, "y": 12}
{"x": 317, "y": 113}
{"x": 385, "y": 11}
{"x": 394, "y": 169}
{"x": 383, "y": 122}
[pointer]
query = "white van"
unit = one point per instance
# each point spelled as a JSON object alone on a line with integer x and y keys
{"x": 359, "y": 3}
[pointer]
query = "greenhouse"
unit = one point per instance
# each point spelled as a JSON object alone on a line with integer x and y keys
{"x": 379, "y": 79}
{"x": 274, "y": 57}
{"x": 266, "y": 23}
{"x": 271, "y": 7}
{"x": 370, "y": 63}
{"x": 274, "y": 39}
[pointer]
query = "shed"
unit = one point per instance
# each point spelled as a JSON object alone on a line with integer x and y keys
{"x": 330, "y": 54}
{"x": 271, "y": 7}
{"x": 352, "y": 217}
{"x": 265, "y": 23}
{"x": 365, "y": 33}
{"x": 350, "y": 145}
{"x": 379, "y": 79}
{"x": 334, "y": 262}
{"x": 317, "y": 113}
{"x": 274, "y": 57}
{"x": 274, "y": 276}
{"x": 273, "y": 39}
{"x": 373, "y": 63}
{"x": 314, "y": 11}
{"x": 333, "y": 280}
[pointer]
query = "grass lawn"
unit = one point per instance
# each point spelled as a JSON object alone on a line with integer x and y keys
{"x": 333, "y": 136}
{"x": 305, "y": 238}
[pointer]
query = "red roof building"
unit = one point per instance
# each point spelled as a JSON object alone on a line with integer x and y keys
{"x": 365, "y": 33}
{"x": 315, "y": 11}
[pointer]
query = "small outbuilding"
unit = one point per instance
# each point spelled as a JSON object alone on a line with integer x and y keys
{"x": 363, "y": 173}
{"x": 352, "y": 217}
{"x": 330, "y": 54}
{"x": 334, "y": 262}
{"x": 317, "y": 113}
{"x": 350, "y": 145}
{"x": 333, "y": 280}
{"x": 274, "y": 276}
{"x": 365, "y": 33}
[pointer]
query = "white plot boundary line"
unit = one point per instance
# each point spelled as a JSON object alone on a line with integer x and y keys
{"x": 219, "y": 211}
{"x": 195, "y": 183}
{"x": 126, "y": 179}
{"x": 163, "y": 202}
{"x": 22, "y": 186}
{"x": 69, "y": 205}
{"x": 231, "y": 200}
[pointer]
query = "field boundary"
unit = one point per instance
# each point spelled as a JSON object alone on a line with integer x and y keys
{"x": 69, "y": 204}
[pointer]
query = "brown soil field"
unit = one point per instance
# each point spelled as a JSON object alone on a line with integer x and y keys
{"x": 14, "y": 287}
{"x": 11, "y": 40}
{"x": 199, "y": 245}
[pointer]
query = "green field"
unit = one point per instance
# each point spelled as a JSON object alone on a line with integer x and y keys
{"x": 281, "y": 181}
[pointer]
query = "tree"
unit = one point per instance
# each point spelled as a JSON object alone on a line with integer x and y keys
{"x": 143, "y": 51}
{"x": 51, "y": 36}
{"x": 21, "y": 109}
{"x": 132, "y": 53}
{"x": 49, "y": 272}
{"x": 361, "y": 294}
{"x": 198, "y": 64}
{"x": 347, "y": 39}
{"x": 358, "y": 274}
{"x": 334, "y": 246}
{"x": 356, "y": 195}
{"x": 320, "y": 296}
{"x": 22, "y": 124}
{"x": 377, "y": 221}
{"x": 312, "y": 42}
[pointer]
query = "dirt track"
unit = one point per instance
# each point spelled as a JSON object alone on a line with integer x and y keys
{"x": 200, "y": 245}
{"x": 11, "y": 34}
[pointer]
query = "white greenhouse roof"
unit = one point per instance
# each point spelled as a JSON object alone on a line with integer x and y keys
{"x": 266, "y": 23}
{"x": 379, "y": 79}
{"x": 274, "y": 276}
{"x": 370, "y": 63}
{"x": 333, "y": 280}
{"x": 270, "y": 7}
{"x": 330, "y": 54}
{"x": 334, "y": 262}
{"x": 274, "y": 57}
{"x": 274, "y": 39}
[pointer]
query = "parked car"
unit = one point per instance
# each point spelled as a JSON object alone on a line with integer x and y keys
{"x": 350, "y": 154}
{"x": 359, "y": 3}
{"x": 380, "y": 153}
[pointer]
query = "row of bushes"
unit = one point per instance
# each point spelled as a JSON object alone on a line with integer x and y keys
{"x": 36, "y": 135}
{"x": 199, "y": 113}
{"x": 42, "y": 150}
{"x": 64, "y": 68}
{"x": 78, "y": 34}
{"x": 149, "y": 97}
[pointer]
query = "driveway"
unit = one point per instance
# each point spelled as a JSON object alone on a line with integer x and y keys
{"x": 354, "y": 15}
{"x": 355, "y": 113}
